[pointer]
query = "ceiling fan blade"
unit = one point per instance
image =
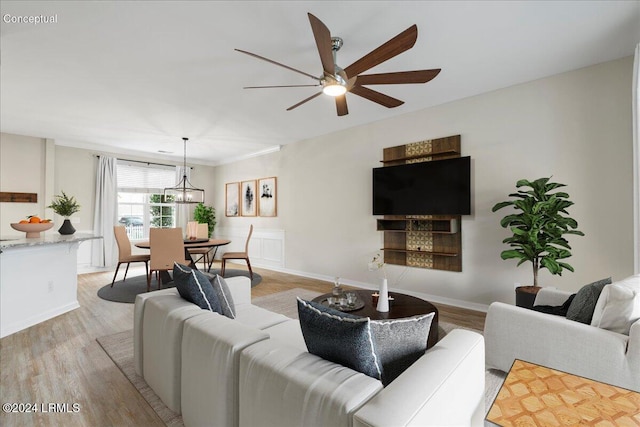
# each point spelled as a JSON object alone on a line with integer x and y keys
{"x": 341, "y": 105}
{"x": 323, "y": 42}
{"x": 376, "y": 96}
{"x": 277, "y": 63}
{"x": 401, "y": 77}
{"x": 269, "y": 87}
{"x": 303, "y": 101}
{"x": 400, "y": 43}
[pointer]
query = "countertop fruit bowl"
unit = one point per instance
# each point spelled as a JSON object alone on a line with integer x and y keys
{"x": 32, "y": 229}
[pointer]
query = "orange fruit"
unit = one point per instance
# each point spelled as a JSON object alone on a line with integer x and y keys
{"x": 45, "y": 221}
{"x": 24, "y": 221}
{"x": 34, "y": 219}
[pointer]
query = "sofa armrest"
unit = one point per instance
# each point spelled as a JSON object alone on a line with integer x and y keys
{"x": 633, "y": 354}
{"x": 138, "y": 316}
{"x": 551, "y": 296}
{"x": 240, "y": 288}
{"x": 517, "y": 333}
{"x": 445, "y": 387}
{"x": 281, "y": 385}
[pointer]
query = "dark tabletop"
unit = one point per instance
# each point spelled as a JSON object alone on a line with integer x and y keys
{"x": 401, "y": 306}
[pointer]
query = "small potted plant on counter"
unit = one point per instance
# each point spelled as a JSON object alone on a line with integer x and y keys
{"x": 65, "y": 206}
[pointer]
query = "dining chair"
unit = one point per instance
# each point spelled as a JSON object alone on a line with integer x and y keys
{"x": 202, "y": 233}
{"x": 124, "y": 253}
{"x": 166, "y": 246}
{"x": 239, "y": 255}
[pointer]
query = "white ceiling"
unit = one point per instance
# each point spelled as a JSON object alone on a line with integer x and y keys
{"x": 135, "y": 77}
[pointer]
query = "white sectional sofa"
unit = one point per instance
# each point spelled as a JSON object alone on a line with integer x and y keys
{"x": 255, "y": 370}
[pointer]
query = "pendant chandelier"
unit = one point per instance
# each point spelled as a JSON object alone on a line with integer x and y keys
{"x": 184, "y": 192}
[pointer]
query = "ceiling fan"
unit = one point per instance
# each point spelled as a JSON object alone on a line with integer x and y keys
{"x": 336, "y": 81}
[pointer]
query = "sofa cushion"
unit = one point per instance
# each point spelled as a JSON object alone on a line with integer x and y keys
{"x": 618, "y": 306}
{"x": 223, "y": 294}
{"x": 289, "y": 333}
{"x": 582, "y": 307}
{"x": 339, "y": 337}
{"x": 621, "y": 310}
{"x": 211, "y": 347}
{"x": 196, "y": 288}
{"x": 258, "y": 317}
{"x": 632, "y": 282}
{"x": 400, "y": 342}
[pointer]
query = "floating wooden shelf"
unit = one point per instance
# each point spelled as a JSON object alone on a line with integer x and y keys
{"x": 423, "y": 241}
{"x": 433, "y": 226}
{"x": 18, "y": 197}
{"x": 419, "y": 252}
{"x": 422, "y": 156}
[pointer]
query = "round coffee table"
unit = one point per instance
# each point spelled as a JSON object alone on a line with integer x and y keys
{"x": 401, "y": 306}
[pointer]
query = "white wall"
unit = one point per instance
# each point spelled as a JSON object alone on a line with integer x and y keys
{"x": 22, "y": 170}
{"x": 35, "y": 165}
{"x": 575, "y": 126}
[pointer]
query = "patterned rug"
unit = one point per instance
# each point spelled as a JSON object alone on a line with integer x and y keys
{"x": 119, "y": 347}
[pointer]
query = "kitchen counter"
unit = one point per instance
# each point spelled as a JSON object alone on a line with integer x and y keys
{"x": 44, "y": 239}
{"x": 38, "y": 278}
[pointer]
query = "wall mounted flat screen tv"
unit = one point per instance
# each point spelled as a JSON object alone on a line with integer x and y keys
{"x": 439, "y": 187}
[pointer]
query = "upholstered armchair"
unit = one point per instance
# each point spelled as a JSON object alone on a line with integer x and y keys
{"x": 519, "y": 333}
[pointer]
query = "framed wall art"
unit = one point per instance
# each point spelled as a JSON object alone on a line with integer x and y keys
{"x": 248, "y": 197}
{"x": 268, "y": 196}
{"x": 232, "y": 199}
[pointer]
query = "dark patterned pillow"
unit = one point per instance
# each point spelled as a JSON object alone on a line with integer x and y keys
{"x": 584, "y": 303}
{"x": 339, "y": 337}
{"x": 400, "y": 342}
{"x": 194, "y": 286}
{"x": 223, "y": 294}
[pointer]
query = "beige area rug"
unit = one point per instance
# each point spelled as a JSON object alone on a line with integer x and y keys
{"x": 119, "y": 347}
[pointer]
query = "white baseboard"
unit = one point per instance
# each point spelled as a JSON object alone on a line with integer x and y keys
{"x": 34, "y": 320}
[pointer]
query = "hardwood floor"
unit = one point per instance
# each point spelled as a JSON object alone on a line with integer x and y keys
{"x": 60, "y": 362}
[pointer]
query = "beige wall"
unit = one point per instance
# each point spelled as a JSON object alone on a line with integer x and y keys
{"x": 24, "y": 168}
{"x": 575, "y": 126}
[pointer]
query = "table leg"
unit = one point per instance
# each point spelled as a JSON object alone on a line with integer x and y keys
{"x": 212, "y": 258}
{"x": 188, "y": 257}
{"x": 165, "y": 277}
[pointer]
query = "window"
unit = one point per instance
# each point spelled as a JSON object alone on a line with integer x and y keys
{"x": 140, "y": 204}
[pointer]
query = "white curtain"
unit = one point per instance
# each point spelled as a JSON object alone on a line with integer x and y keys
{"x": 105, "y": 252}
{"x": 182, "y": 209}
{"x": 636, "y": 160}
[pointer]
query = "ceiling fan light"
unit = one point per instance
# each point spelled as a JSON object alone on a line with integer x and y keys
{"x": 334, "y": 89}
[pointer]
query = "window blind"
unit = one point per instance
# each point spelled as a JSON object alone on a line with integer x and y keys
{"x": 141, "y": 178}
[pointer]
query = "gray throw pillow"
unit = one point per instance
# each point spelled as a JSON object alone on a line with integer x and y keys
{"x": 195, "y": 287}
{"x": 339, "y": 337}
{"x": 223, "y": 294}
{"x": 400, "y": 342}
{"x": 584, "y": 303}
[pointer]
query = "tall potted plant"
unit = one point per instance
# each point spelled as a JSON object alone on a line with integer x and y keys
{"x": 538, "y": 226}
{"x": 205, "y": 214}
{"x": 65, "y": 206}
